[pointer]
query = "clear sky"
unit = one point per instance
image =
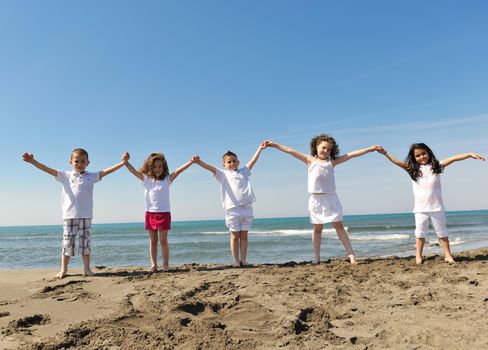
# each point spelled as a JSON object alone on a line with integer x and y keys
{"x": 202, "y": 77}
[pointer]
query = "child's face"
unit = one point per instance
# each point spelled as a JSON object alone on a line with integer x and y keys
{"x": 323, "y": 150}
{"x": 157, "y": 168}
{"x": 231, "y": 163}
{"x": 421, "y": 156}
{"x": 79, "y": 162}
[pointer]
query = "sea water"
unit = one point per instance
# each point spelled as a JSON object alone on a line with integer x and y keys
{"x": 274, "y": 240}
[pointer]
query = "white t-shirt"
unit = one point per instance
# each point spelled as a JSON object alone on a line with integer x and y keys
{"x": 427, "y": 191}
{"x": 157, "y": 194}
{"x": 235, "y": 187}
{"x": 77, "y": 195}
{"x": 321, "y": 177}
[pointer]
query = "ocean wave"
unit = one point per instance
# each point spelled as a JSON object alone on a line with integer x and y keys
{"x": 285, "y": 232}
{"x": 389, "y": 237}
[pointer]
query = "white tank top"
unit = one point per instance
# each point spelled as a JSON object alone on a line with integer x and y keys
{"x": 427, "y": 191}
{"x": 321, "y": 177}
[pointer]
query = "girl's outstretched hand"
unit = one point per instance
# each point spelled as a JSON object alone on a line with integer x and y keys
{"x": 195, "y": 159}
{"x": 28, "y": 157}
{"x": 476, "y": 156}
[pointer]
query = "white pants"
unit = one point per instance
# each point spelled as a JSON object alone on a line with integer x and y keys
{"x": 438, "y": 219}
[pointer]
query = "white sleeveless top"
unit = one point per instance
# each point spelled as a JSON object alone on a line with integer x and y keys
{"x": 427, "y": 191}
{"x": 321, "y": 177}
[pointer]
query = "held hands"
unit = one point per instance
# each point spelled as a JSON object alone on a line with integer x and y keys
{"x": 380, "y": 149}
{"x": 28, "y": 157}
{"x": 195, "y": 159}
{"x": 125, "y": 157}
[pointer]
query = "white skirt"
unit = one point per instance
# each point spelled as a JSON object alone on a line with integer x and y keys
{"x": 324, "y": 208}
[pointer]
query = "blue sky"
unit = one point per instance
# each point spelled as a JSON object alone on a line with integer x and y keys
{"x": 202, "y": 77}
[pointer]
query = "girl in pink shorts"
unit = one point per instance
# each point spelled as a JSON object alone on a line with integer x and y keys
{"x": 156, "y": 180}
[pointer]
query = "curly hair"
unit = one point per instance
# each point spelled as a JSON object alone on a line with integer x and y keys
{"x": 334, "y": 152}
{"x": 149, "y": 163}
{"x": 413, "y": 167}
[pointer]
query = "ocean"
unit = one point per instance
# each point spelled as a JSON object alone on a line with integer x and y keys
{"x": 275, "y": 240}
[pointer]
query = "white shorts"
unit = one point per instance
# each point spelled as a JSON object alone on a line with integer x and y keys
{"x": 73, "y": 228}
{"x": 438, "y": 219}
{"x": 324, "y": 208}
{"x": 239, "y": 218}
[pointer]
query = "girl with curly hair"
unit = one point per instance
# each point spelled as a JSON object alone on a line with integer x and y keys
{"x": 324, "y": 205}
{"x": 156, "y": 180}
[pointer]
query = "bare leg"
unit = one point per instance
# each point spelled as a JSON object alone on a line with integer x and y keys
{"x": 316, "y": 240}
{"x": 234, "y": 248}
{"x": 444, "y": 242}
{"x": 153, "y": 250}
{"x": 346, "y": 242}
{"x": 419, "y": 246}
{"x": 243, "y": 245}
{"x": 163, "y": 238}
{"x": 86, "y": 265}
{"x": 64, "y": 266}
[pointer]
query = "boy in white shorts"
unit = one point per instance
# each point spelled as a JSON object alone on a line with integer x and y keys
{"x": 77, "y": 205}
{"x": 237, "y": 199}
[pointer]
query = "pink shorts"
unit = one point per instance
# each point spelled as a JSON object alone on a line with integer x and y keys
{"x": 158, "y": 221}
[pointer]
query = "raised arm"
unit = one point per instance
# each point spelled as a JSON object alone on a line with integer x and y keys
{"x": 105, "y": 172}
{"x": 197, "y": 160}
{"x": 29, "y": 158}
{"x": 393, "y": 159}
{"x": 459, "y": 157}
{"x": 256, "y": 155}
{"x": 181, "y": 169}
{"x": 357, "y": 153}
{"x": 300, "y": 156}
{"x": 134, "y": 171}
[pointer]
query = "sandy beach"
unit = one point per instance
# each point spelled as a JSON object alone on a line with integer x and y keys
{"x": 383, "y": 303}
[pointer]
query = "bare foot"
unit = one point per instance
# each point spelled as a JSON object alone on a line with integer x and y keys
{"x": 165, "y": 268}
{"x": 61, "y": 274}
{"x": 244, "y": 263}
{"x": 236, "y": 264}
{"x": 449, "y": 260}
{"x": 418, "y": 260}
{"x": 352, "y": 259}
{"x": 88, "y": 272}
{"x": 152, "y": 269}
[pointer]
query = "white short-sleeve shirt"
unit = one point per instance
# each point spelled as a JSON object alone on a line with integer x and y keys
{"x": 235, "y": 187}
{"x": 427, "y": 191}
{"x": 77, "y": 194}
{"x": 156, "y": 193}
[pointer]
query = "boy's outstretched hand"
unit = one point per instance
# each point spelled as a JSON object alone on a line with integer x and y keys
{"x": 28, "y": 157}
{"x": 195, "y": 159}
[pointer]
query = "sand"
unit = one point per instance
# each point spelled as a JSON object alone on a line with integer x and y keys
{"x": 383, "y": 303}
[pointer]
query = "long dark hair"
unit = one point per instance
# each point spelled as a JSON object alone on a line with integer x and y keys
{"x": 334, "y": 152}
{"x": 413, "y": 167}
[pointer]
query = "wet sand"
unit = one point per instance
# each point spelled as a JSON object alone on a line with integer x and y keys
{"x": 382, "y": 303}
